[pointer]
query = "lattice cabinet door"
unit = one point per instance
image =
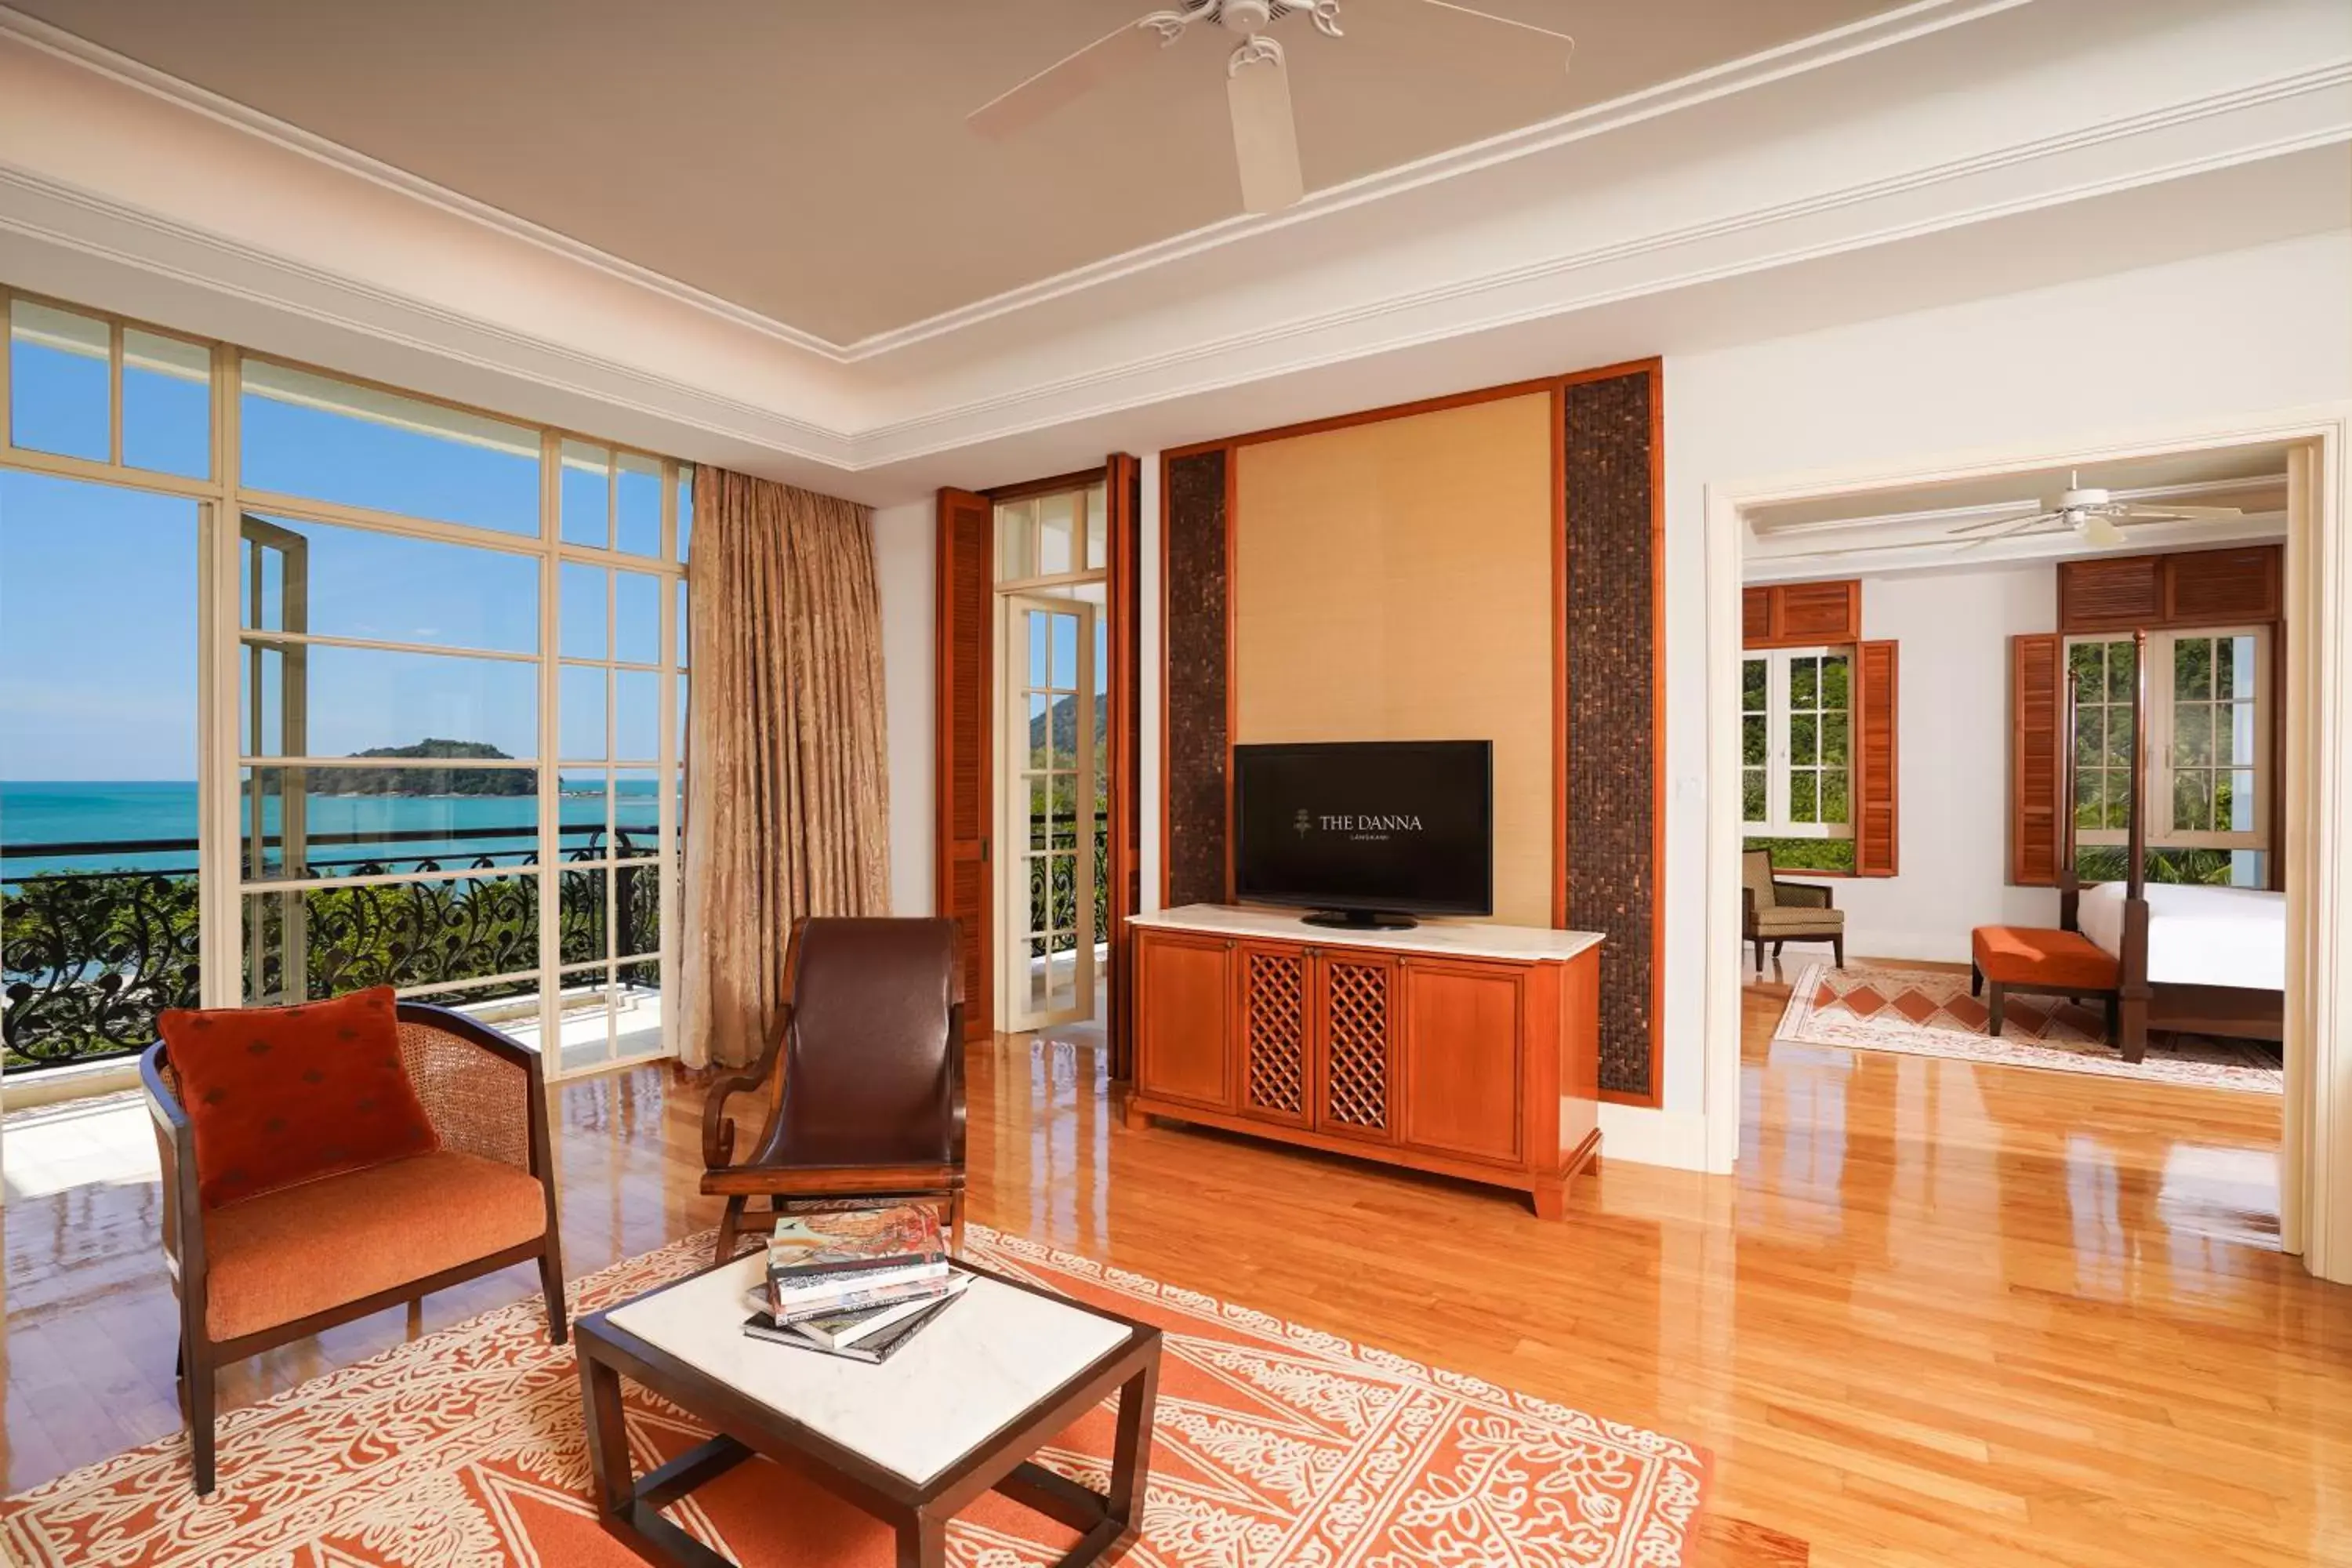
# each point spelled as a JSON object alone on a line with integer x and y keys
{"x": 1275, "y": 1024}
{"x": 1355, "y": 1013}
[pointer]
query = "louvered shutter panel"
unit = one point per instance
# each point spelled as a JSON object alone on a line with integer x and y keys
{"x": 967, "y": 527}
{"x": 1876, "y": 703}
{"x": 2036, "y": 665}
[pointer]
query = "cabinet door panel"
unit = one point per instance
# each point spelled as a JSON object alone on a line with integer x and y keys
{"x": 1274, "y": 1032}
{"x": 1184, "y": 996}
{"x": 1355, "y": 999}
{"x": 1461, "y": 1035}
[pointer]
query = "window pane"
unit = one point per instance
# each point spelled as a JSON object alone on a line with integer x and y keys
{"x": 579, "y": 713}
{"x": 1056, "y": 519}
{"x": 362, "y": 701}
{"x": 1065, "y": 654}
{"x": 403, "y": 933}
{"x": 1833, "y": 738}
{"x": 584, "y": 809}
{"x": 685, "y": 510}
{"x": 167, "y": 403}
{"x": 2119, "y": 738}
{"x": 636, "y": 813}
{"x": 311, "y": 436}
{"x": 2090, "y": 736}
{"x": 637, "y": 1012}
{"x": 2233, "y": 807}
{"x": 2090, "y": 800}
{"x": 636, "y": 715}
{"x": 1753, "y": 673}
{"x": 2192, "y": 801}
{"x": 636, "y": 612}
{"x": 636, "y": 908}
{"x": 1834, "y": 679}
{"x": 586, "y": 497}
{"x": 1834, "y": 796}
{"x": 2193, "y": 735}
{"x": 1803, "y": 740}
{"x": 582, "y": 610}
{"x": 57, "y": 382}
{"x": 1804, "y": 682}
{"x": 1013, "y": 528}
{"x": 2087, "y": 660}
{"x": 2120, "y": 677}
{"x": 1097, "y": 530}
{"x": 1752, "y": 806}
{"x": 1753, "y": 740}
{"x": 2193, "y": 668}
{"x": 2237, "y": 666}
{"x": 1805, "y": 803}
{"x": 638, "y": 495}
{"x": 356, "y": 583}
{"x": 334, "y": 821}
{"x": 684, "y": 627}
{"x": 585, "y": 901}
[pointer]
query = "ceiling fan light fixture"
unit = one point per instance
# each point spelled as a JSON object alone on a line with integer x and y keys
{"x": 2100, "y": 531}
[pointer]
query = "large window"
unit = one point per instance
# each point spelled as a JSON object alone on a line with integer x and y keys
{"x": 2208, "y": 759}
{"x": 416, "y": 720}
{"x": 1796, "y": 756}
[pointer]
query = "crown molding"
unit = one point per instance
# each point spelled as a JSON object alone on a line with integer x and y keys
{"x": 101, "y": 229}
{"x": 931, "y": 432}
{"x": 1918, "y": 19}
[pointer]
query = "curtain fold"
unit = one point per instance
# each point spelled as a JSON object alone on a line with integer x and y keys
{"x": 787, "y": 805}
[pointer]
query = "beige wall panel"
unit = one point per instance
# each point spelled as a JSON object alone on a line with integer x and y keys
{"x": 1393, "y": 581}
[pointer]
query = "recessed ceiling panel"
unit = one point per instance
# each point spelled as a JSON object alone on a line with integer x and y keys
{"x": 811, "y": 162}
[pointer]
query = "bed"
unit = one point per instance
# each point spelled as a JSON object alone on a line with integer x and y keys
{"x": 2198, "y": 960}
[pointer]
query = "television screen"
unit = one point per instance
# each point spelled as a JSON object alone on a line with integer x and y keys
{"x": 1366, "y": 826}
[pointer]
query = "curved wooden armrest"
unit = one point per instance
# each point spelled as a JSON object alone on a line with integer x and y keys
{"x": 717, "y": 1131}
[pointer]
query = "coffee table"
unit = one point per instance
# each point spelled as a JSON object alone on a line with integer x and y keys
{"x": 955, "y": 1413}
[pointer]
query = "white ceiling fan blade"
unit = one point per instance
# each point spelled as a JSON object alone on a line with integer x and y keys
{"x": 1070, "y": 78}
{"x": 1509, "y": 22}
{"x": 2002, "y": 522}
{"x": 2100, "y": 531}
{"x": 1265, "y": 135}
{"x": 2153, "y": 511}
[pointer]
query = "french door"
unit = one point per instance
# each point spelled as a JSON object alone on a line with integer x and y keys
{"x": 1050, "y": 742}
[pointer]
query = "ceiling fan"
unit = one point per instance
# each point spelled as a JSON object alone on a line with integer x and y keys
{"x": 2091, "y": 512}
{"x": 1257, "y": 81}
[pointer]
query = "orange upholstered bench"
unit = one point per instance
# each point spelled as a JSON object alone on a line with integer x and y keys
{"x": 2042, "y": 962}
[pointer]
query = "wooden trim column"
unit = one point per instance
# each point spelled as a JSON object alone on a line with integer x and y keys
{"x": 1123, "y": 495}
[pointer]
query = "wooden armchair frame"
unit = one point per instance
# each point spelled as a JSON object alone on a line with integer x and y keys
{"x": 201, "y": 1356}
{"x": 942, "y": 1182}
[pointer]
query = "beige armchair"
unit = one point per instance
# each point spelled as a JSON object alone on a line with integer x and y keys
{"x": 1776, "y": 912}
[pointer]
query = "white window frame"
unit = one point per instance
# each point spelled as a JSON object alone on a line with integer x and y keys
{"x": 2155, "y": 782}
{"x": 223, "y": 500}
{"x": 1778, "y": 769}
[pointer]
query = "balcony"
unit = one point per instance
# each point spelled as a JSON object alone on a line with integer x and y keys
{"x": 91, "y": 957}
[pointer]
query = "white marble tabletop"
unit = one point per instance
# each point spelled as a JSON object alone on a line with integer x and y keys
{"x": 1461, "y": 939}
{"x": 986, "y": 1359}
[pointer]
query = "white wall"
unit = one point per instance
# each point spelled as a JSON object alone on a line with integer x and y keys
{"x": 905, "y": 560}
{"x": 1952, "y": 732}
{"x": 2242, "y": 333}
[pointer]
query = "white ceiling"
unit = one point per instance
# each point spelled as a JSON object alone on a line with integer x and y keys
{"x": 809, "y": 162}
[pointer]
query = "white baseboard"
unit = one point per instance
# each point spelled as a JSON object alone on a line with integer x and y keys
{"x": 1673, "y": 1138}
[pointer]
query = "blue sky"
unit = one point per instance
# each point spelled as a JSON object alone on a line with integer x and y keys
{"x": 99, "y": 599}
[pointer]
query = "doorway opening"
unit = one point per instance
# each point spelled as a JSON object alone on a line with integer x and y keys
{"x": 1052, "y": 762}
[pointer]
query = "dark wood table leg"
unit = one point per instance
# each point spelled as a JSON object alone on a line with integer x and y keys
{"x": 1130, "y": 1459}
{"x": 923, "y": 1541}
{"x": 608, "y": 1440}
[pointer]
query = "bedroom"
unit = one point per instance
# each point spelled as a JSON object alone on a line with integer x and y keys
{"x": 1940, "y": 704}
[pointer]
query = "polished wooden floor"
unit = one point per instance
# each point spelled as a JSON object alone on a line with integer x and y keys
{"x": 1945, "y": 1313}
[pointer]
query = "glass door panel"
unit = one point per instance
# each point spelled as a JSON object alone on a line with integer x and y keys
{"x": 1051, "y": 749}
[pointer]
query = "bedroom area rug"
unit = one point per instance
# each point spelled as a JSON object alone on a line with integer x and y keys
{"x": 1275, "y": 1444}
{"x": 1930, "y": 1013}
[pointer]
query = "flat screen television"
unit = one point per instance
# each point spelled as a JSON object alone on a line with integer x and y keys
{"x": 1366, "y": 833}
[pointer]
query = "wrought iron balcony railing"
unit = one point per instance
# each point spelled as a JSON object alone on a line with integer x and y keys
{"x": 91, "y": 957}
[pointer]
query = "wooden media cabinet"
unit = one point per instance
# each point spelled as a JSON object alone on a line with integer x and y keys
{"x": 1469, "y": 1050}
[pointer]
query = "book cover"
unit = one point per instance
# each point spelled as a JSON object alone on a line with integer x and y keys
{"x": 798, "y": 1308}
{"x": 850, "y": 1240}
{"x": 873, "y": 1350}
{"x": 839, "y": 1329}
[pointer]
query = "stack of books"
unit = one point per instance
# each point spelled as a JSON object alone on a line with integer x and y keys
{"x": 859, "y": 1283}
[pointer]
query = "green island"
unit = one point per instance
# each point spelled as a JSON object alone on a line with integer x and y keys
{"x": 430, "y": 780}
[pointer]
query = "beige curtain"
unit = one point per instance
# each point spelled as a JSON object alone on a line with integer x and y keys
{"x": 787, "y": 802}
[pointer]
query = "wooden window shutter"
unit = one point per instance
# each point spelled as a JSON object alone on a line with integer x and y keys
{"x": 1876, "y": 819}
{"x": 2037, "y": 663}
{"x": 962, "y": 772}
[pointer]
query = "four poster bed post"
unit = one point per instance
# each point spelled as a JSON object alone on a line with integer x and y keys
{"x": 2244, "y": 1000}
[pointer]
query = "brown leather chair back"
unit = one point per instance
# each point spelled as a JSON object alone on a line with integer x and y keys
{"x": 873, "y": 1051}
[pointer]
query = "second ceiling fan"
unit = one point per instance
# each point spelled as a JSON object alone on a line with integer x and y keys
{"x": 1257, "y": 81}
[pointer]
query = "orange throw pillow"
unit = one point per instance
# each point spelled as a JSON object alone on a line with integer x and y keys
{"x": 279, "y": 1096}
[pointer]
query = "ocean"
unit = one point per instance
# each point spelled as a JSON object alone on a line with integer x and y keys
{"x": 95, "y": 816}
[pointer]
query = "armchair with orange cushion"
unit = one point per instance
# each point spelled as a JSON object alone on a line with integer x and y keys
{"x": 865, "y": 1073}
{"x": 325, "y": 1162}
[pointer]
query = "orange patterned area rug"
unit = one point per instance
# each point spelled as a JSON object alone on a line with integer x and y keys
{"x": 1930, "y": 1013}
{"x": 1275, "y": 1445}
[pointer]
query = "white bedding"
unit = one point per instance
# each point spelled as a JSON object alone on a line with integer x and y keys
{"x": 2197, "y": 935}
